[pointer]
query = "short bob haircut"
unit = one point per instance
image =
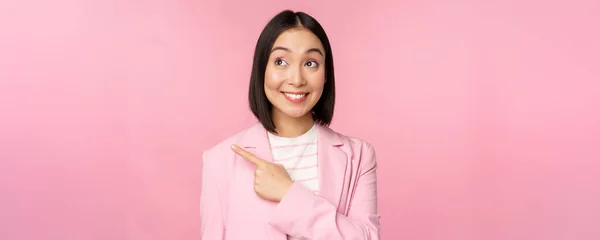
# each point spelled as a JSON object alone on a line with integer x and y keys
{"x": 259, "y": 104}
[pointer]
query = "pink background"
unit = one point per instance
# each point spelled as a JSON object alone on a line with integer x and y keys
{"x": 485, "y": 116}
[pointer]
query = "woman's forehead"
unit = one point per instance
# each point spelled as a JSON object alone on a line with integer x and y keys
{"x": 298, "y": 39}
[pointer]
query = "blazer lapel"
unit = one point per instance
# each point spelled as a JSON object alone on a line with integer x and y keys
{"x": 334, "y": 168}
{"x": 256, "y": 140}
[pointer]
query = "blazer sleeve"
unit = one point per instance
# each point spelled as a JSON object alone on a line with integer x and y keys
{"x": 211, "y": 212}
{"x": 301, "y": 213}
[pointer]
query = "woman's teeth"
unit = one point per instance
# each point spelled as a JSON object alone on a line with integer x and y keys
{"x": 295, "y": 96}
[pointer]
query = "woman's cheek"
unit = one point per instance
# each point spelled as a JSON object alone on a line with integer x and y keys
{"x": 276, "y": 77}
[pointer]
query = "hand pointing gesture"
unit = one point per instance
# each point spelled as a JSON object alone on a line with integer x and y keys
{"x": 271, "y": 180}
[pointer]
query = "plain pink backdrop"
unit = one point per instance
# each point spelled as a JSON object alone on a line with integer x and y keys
{"x": 485, "y": 115}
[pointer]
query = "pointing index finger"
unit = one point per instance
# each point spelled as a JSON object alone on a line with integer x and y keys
{"x": 248, "y": 156}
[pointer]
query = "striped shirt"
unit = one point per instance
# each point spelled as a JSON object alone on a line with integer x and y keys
{"x": 299, "y": 157}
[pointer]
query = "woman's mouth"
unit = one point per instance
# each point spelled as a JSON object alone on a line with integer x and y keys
{"x": 295, "y": 97}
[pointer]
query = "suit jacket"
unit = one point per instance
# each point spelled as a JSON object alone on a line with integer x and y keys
{"x": 346, "y": 207}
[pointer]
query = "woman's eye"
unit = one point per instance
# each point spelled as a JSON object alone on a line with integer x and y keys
{"x": 312, "y": 64}
{"x": 280, "y": 62}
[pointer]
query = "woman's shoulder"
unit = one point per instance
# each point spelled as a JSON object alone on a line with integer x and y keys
{"x": 360, "y": 149}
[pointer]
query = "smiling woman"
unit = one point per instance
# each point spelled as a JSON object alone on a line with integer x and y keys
{"x": 294, "y": 78}
{"x": 290, "y": 176}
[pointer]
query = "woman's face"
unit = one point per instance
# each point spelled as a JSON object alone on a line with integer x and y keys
{"x": 295, "y": 73}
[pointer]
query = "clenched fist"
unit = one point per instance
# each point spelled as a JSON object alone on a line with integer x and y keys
{"x": 271, "y": 180}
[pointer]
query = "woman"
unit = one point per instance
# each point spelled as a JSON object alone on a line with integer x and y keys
{"x": 290, "y": 176}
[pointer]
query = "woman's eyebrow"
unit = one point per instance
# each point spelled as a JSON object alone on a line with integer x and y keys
{"x": 315, "y": 50}
{"x": 288, "y": 50}
{"x": 280, "y": 48}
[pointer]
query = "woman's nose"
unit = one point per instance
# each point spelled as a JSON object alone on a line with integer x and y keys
{"x": 296, "y": 78}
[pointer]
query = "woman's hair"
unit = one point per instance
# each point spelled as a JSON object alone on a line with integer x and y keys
{"x": 259, "y": 104}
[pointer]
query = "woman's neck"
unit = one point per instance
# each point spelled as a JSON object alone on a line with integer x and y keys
{"x": 290, "y": 127}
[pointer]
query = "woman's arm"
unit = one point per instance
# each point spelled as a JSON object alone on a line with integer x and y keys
{"x": 211, "y": 212}
{"x": 301, "y": 213}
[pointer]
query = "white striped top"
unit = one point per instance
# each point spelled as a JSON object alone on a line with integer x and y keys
{"x": 299, "y": 157}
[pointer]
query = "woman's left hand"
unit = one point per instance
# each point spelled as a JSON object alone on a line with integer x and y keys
{"x": 271, "y": 180}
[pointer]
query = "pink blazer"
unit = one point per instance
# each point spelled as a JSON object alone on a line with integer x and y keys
{"x": 346, "y": 207}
